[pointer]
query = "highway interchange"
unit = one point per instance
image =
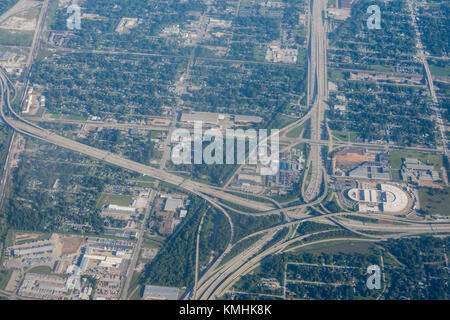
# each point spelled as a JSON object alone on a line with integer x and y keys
{"x": 219, "y": 277}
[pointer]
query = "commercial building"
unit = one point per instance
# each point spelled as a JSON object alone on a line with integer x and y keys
{"x": 160, "y": 293}
{"x": 247, "y": 119}
{"x": 205, "y": 117}
{"x": 43, "y": 286}
{"x": 129, "y": 234}
{"x": 108, "y": 244}
{"x": 38, "y": 247}
{"x": 416, "y": 171}
{"x": 371, "y": 170}
{"x": 376, "y": 169}
{"x": 250, "y": 178}
{"x": 173, "y": 204}
{"x": 118, "y": 212}
{"x": 276, "y": 54}
{"x": 385, "y": 198}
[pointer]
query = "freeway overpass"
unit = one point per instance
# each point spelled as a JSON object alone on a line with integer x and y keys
{"x": 30, "y": 129}
{"x": 317, "y": 93}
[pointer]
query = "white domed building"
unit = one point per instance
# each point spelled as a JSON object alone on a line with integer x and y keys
{"x": 384, "y": 198}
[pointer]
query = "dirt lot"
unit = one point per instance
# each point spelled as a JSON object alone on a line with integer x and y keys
{"x": 352, "y": 159}
{"x": 24, "y": 237}
{"x": 70, "y": 244}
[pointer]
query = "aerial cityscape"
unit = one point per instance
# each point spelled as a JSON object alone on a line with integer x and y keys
{"x": 224, "y": 150}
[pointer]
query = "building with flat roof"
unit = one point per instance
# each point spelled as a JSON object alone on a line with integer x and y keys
{"x": 250, "y": 178}
{"x": 173, "y": 204}
{"x": 160, "y": 293}
{"x": 371, "y": 170}
{"x": 109, "y": 244}
{"x": 385, "y": 198}
{"x": 118, "y": 212}
{"x": 206, "y": 117}
{"x": 129, "y": 234}
{"x": 416, "y": 171}
{"x": 38, "y": 247}
{"x": 247, "y": 119}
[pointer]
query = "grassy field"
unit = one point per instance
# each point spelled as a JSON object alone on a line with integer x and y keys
{"x": 145, "y": 184}
{"x": 302, "y": 56}
{"x": 281, "y": 121}
{"x": 41, "y": 270}
{"x": 339, "y": 246}
{"x": 119, "y": 200}
{"x": 334, "y": 75}
{"x": 309, "y": 175}
{"x": 439, "y": 71}
{"x": 51, "y": 13}
{"x": 134, "y": 283}
{"x": 259, "y": 52}
{"x": 16, "y": 38}
{"x": 341, "y": 135}
{"x": 396, "y": 156}
{"x": 137, "y": 294}
{"x": 382, "y": 68}
{"x": 4, "y": 278}
{"x": 435, "y": 201}
{"x": 395, "y": 175}
{"x": 153, "y": 243}
{"x": 295, "y": 133}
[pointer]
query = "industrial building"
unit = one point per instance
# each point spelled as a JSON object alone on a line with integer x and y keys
{"x": 118, "y": 212}
{"x": 250, "y": 178}
{"x": 416, "y": 171}
{"x": 38, "y": 247}
{"x": 109, "y": 244}
{"x": 218, "y": 118}
{"x": 206, "y": 117}
{"x": 173, "y": 204}
{"x": 277, "y": 54}
{"x": 371, "y": 170}
{"x": 246, "y": 119}
{"x": 43, "y": 286}
{"x": 129, "y": 234}
{"x": 160, "y": 293}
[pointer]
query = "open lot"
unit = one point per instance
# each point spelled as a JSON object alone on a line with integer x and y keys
{"x": 435, "y": 201}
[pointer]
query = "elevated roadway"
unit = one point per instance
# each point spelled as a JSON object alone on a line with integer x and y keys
{"x": 317, "y": 93}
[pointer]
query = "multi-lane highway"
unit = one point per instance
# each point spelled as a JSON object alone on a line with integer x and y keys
{"x": 317, "y": 92}
{"x": 218, "y": 277}
{"x": 23, "y": 126}
{"x": 216, "y": 283}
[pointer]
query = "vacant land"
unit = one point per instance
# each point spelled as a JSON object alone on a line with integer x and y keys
{"x": 337, "y": 247}
{"x": 4, "y": 278}
{"x": 395, "y": 158}
{"x": 435, "y": 201}
{"x": 16, "y": 38}
{"x": 439, "y": 71}
{"x": 295, "y": 133}
{"x": 119, "y": 200}
{"x": 41, "y": 270}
